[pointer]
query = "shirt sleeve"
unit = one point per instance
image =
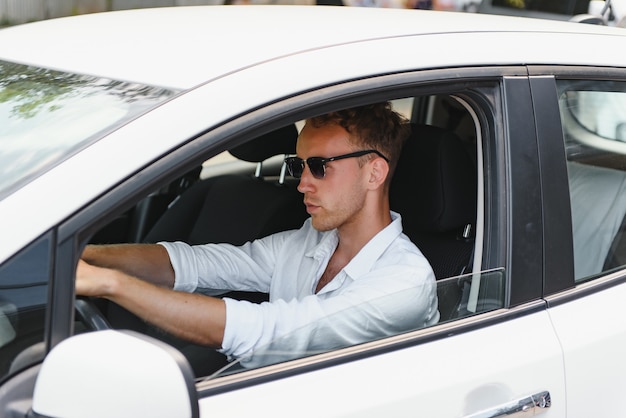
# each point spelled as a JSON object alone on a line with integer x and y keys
{"x": 223, "y": 266}
{"x": 385, "y": 302}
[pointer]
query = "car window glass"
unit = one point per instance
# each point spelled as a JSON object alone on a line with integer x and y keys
{"x": 594, "y": 124}
{"x": 23, "y": 298}
{"x": 459, "y": 297}
{"x": 46, "y": 115}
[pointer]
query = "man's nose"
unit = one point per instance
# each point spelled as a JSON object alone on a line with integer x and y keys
{"x": 306, "y": 180}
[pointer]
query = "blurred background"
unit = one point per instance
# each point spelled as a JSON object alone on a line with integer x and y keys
{"x": 610, "y": 12}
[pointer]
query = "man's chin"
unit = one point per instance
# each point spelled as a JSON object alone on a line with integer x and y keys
{"x": 320, "y": 225}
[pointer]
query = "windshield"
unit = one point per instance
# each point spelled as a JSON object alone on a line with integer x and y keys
{"x": 46, "y": 116}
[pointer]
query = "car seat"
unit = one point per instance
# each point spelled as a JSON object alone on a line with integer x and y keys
{"x": 235, "y": 208}
{"x": 434, "y": 188}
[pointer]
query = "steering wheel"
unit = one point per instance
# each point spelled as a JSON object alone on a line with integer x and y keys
{"x": 90, "y": 315}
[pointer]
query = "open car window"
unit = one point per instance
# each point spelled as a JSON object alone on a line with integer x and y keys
{"x": 245, "y": 193}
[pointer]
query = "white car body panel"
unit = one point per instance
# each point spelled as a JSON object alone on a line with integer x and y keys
{"x": 593, "y": 324}
{"x": 156, "y": 60}
{"x": 491, "y": 371}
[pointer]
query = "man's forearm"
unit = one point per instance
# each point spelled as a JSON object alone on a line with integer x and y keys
{"x": 149, "y": 262}
{"x": 196, "y": 318}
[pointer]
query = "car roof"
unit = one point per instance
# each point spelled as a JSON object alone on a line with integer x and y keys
{"x": 182, "y": 47}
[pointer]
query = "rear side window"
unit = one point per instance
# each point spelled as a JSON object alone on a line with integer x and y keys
{"x": 593, "y": 116}
{"x": 23, "y": 298}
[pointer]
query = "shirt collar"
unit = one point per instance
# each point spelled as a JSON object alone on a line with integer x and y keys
{"x": 369, "y": 254}
{"x": 325, "y": 247}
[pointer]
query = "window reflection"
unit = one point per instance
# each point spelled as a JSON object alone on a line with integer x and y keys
{"x": 23, "y": 297}
{"x": 458, "y": 297}
{"x": 47, "y": 115}
{"x": 593, "y": 116}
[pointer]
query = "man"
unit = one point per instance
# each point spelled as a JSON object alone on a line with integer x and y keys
{"x": 348, "y": 275}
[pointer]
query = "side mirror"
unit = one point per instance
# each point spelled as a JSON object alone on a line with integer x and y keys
{"x": 115, "y": 374}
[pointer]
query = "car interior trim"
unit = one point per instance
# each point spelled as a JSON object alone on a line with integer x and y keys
{"x": 480, "y": 207}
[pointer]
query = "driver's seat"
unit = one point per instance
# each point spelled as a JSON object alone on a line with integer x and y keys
{"x": 434, "y": 189}
{"x": 236, "y": 208}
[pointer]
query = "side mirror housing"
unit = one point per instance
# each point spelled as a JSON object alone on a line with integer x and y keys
{"x": 115, "y": 374}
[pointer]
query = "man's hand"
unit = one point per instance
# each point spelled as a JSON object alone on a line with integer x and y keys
{"x": 196, "y": 318}
{"x": 94, "y": 281}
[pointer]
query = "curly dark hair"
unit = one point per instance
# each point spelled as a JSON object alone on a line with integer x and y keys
{"x": 374, "y": 126}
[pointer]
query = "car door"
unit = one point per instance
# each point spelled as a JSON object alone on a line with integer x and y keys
{"x": 586, "y": 204}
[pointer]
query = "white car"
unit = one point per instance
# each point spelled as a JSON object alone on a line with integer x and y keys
{"x": 116, "y": 127}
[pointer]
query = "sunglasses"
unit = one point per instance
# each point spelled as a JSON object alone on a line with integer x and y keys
{"x": 317, "y": 165}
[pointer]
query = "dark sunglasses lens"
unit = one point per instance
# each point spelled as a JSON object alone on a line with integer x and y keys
{"x": 316, "y": 165}
{"x": 295, "y": 167}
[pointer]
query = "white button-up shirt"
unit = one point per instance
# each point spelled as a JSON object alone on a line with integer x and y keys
{"x": 387, "y": 288}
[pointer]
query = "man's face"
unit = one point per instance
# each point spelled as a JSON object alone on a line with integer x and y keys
{"x": 337, "y": 199}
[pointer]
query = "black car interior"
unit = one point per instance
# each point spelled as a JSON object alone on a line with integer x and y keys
{"x": 261, "y": 206}
{"x": 434, "y": 189}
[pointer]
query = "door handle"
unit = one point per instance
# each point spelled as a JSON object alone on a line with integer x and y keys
{"x": 527, "y": 406}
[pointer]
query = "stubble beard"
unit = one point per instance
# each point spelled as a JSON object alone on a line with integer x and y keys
{"x": 324, "y": 223}
{"x": 328, "y": 220}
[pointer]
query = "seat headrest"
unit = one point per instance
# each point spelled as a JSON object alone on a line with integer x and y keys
{"x": 434, "y": 185}
{"x": 280, "y": 141}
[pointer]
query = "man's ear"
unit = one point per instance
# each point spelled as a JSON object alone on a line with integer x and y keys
{"x": 378, "y": 173}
